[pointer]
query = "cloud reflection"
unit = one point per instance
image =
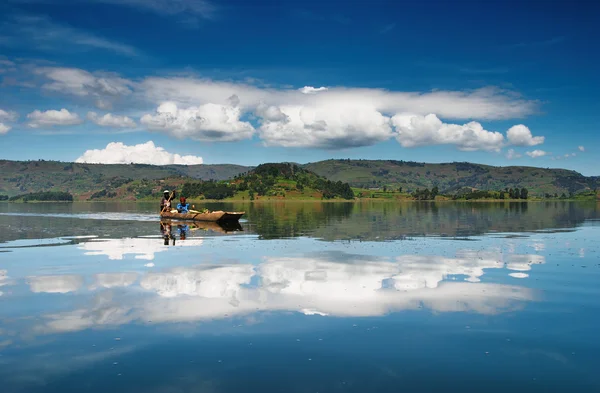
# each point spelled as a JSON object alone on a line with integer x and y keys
{"x": 327, "y": 284}
{"x": 55, "y": 284}
{"x": 112, "y": 280}
{"x": 142, "y": 248}
{"x": 4, "y": 280}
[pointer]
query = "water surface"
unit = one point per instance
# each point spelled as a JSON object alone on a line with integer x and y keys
{"x": 302, "y": 297}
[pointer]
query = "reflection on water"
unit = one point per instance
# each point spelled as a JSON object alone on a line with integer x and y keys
{"x": 328, "y": 221}
{"x": 327, "y": 284}
{"x": 336, "y": 297}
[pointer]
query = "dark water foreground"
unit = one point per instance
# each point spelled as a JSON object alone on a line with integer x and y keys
{"x": 307, "y": 297}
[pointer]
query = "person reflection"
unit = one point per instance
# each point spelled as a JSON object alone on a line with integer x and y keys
{"x": 183, "y": 231}
{"x": 166, "y": 231}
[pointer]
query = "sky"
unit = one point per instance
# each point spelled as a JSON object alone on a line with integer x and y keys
{"x": 247, "y": 82}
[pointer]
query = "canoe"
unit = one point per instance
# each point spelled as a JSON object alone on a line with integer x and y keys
{"x": 221, "y": 226}
{"x": 216, "y": 216}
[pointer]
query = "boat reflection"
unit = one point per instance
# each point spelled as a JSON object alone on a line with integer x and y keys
{"x": 173, "y": 229}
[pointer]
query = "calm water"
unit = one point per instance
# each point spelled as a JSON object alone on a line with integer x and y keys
{"x": 302, "y": 297}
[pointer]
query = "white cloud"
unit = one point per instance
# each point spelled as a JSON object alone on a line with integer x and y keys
{"x": 330, "y": 118}
{"x": 55, "y": 284}
{"x": 485, "y": 103}
{"x": 415, "y": 130}
{"x": 104, "y": 88}
{"x": 536, "y": 153}
{"x": 42, "y": 33}
{"x": 144, "y": 153}
{"x": 512, "y": 154}
{"x": 8, "y": 116}
{"x": 520, "y": 135}
{"x": 581, "y": 148}
{"x": 312, "y": 90}
{"x": 4, "y": 128}
{"x": 52, "y": 117}
{"x": 331, "y": 126}
{"x": 207, "y": 122}
{"x": 341, "y": 117}
{"x": 109, "y": 120}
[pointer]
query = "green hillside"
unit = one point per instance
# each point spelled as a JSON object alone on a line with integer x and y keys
{"x": 271, "y": 181}
{"x": 369, "y": 178}
{"x": 452, "y": 177}
{"x": 22, "y": 177}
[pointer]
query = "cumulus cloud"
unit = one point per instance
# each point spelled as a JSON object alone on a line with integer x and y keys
{"x": 581, "y": 148}
{"x": 331, "y": 126}
{"x": 520, "y": 135}
{"x": 52, "y": 118}
{"x": 109, "y": 120}
{"x": 321, "y": 117}
{"x": 312, "y": 90}
{"x": 207, "y": 122}
{"x": 415, "y": 130}
{"x": 512, "y": 154}
{"x": 343, "y": 117}
{"x": 536, "y": 153}
{"x": 485, "y": 103}
{"x": 8, "y": 116}
{"x": 144, "y": 153}
{"x": 103, "y": 87}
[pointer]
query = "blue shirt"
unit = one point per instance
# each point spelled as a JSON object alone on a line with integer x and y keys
{"x": 183, "y": 208}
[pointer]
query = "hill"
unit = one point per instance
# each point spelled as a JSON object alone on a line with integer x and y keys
{"x": 138, "y": 181}
{"x": 273, "y": 181}
{"x": 22, "y": 177}
{"x": 452, "y": 177}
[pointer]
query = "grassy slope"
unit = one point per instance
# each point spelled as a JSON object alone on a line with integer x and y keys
{"x": 19, "y": 177}
{"x": 452, "y": 176}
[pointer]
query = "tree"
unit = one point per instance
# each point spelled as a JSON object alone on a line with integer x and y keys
{"x": 434, "y": 192}
{"x": 384, "y": 188}
{"x": 399, "y": 189}
{"x": 511, "y": 193}
{"x": 501, "y": 195}
{"x": 524, "y": 193}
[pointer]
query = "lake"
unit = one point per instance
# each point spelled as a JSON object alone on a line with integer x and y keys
{"x": 301, "y": 297}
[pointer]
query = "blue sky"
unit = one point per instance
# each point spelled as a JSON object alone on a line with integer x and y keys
{"x": 507, "y": 83}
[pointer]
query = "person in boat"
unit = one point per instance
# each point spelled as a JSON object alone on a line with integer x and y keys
{"x": 165, "y": 202}
{"x": 183, "y": 206}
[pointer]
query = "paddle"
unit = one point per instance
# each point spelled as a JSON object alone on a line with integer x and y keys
{"x": 169, "y": 200}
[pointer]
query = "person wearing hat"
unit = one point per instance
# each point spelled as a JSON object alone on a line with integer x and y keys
{"x": 183, "y": 206}
{"x": 165, "y": 202}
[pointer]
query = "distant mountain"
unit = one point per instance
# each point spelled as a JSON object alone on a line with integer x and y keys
{"x": 20, "y": 177}
{"x": 452, "y": 177}
{"x": 135, "y": 181}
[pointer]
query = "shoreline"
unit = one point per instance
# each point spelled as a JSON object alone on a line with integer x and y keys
{"x": 356, "y": 200}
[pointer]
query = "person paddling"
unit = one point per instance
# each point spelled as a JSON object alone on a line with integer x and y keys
{"x": 165, "y": 202}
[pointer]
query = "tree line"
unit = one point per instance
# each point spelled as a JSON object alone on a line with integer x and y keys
{"x": 44, "y": 196}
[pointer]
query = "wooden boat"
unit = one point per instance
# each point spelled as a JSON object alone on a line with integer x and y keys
{"x": 216, "y": 216}
{"x": 220, "y": 226}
